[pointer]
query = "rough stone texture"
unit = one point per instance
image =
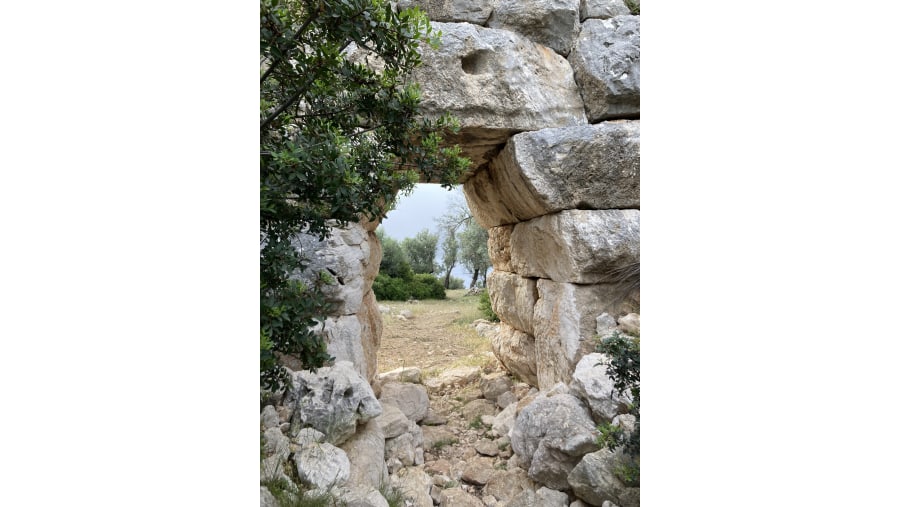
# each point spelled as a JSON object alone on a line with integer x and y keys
{"x": 478, "y": 471}
{"x": 268, "y": 418}
{"x": 392, "y": 421}
{"x": 498, "y": 246}
{"x": 435, "y": 434}
{"x": 370, "y": 327}
{"x": 415, "y": 485}
{"x": 607, "y": 64}
{"x": 594, "y": 481}
{"x": 503, "y": 422}
{"x": 359, "y": 497}
{"x": 631, "y": 324}
{"x": 495, "y": 384}
{"x": 351, "y": 257}
{"x": 565, "y": 323}
{"x": 550, "y": 436}
{"x": 497, "y": 83}
{"x": 365, "y": 450}
{"x": 468, "y": 11}
{"x": 553, "y": 23}
{"x": 603, "y": 9}
{"x": 332, "y": 401}
{"x": 478, "y": 408}
{"x": 486, "y": 447}
{"x": 322, "y": 466}
{"x": 554, "y": 169}
{"x": 277, "y": 450}
{"x": 506, "y": 399}
{"x": 411, "y": 374}
{"x": 266, "y": 499}
{"x": 454, "y": 377}
{"x": 605, "y": 323}
{"x": 516, "y": 352}
{"x": 506, "y": 484}
{"x": 343, "y": 337}
{"x": 591, "y": 383}
{"x": 459, "y": 498}
{"x": 513, "y": 298}
{"x": 543, "y": 497}
{"x": 401, "y": 448}
{"x": 578, "y": 246}
{"x": 411, "y": 399}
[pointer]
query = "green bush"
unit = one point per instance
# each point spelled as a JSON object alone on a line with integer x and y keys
{"x": 425, "y": 286}
{"x": 624, "y": 368}
{"x": 484, "y": 304}
{"x": 456, "y": 283}
{"x": 421, "y": 286}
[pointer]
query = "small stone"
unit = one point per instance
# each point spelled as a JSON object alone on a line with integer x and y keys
{"x": 487, "y": 448}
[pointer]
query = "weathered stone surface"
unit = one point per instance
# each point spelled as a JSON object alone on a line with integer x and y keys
{"x": 553, "y": 23}
{"x": 495, "y": 384}
{"x": 359, "y": 497}
{"x": 454, "y": 377}
{"x": 506, "y": 484}
{"x": 498, "y": 246}
{"x": 436, "y": 436}
{"x": 603, "y": 9}
{"x": 607, "y": 64}
{"x": 591, "y": 383}
{"x": 565, "y": 323}
{"x": 344, "y": 341}
{"x": 402, "y": 374}
{"x": 322, "y": 466}
{"x": 550, "y": 436}
{"x": 350, "y": 257}
{"x": 365, "y": 450}
{"x": 503, "y": 422}
{"x": 506, "y": 399}
{"x": 543, "y": 497}
{"x": 266, "y": 499}
{"x": 332, "y": 401}
{"x": 459, "y": 498}
{"x": 478, "y": 408}
{"x": 578, "y": 246}
{"x": 516, "y": 351}
{"x": 277, "y": 450}
{"x": 513, "y": 298}
{"x": 268, "y": 418}
{"x": 411, "y": 399}
{"x": 468, "y": 11}
{"x": 594, "y": 480}
{"x": 631, "y": 324}
{"x": 478, "y": 471}
{"x": 415, "y": 485}
{"x": 496, "y": 83}
{"x": 392, "y": 421}
{"x": 605, "y": 323}
{"x": 487, "y": 447}
{"x": 370, "y": 327}
{"x": 402, "y": 448}
{"x": 555, "y": 169}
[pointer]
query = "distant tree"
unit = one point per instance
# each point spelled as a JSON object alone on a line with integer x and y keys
{"x": 394, "y": 262}
{"x": 474, "y": 252}
{"x": 450, "y": 247}
{"x": 421, "y": 251}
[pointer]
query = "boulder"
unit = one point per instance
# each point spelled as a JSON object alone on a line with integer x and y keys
{"x": 411, "y": 399}
{"x": 415, "y": 485}
{"x": 322, "y": 466}
{"x": 631, "y": 324}
{"x": 454, "y": 377}
{"x": 266, "y": 499}
{"x": 478, "y": 471}
{"x": 503, "y": 422}
{"x": 392, "y": 421}
{"x": 276, "y": 451}
{"x": 594, "y": 480}
{"x": 513, "y": 298}
{"x": 553, "y": 23}
{"x": 551, "y": 435}
{"x": 268, "y": 418}
{"x": 402, "y": 374}
{"x": 578, "y": 246}
{"x": 516, "y": 352}
{"x": 332, "y": 400}
{"x": 459, "y": 498}
{"x": 506, "y": 484}
{"x": 591, "y": 383}
{"x": 506, "y": 399}
{"x": 555, "y": 169}
{"x": 467, "y": 11}
{"x": 543, "y": 497}
{"x": 603, "y": 9}
{"x": 365, "y": 450}
{"x": 358, "y": 497}
{"x": 496, "y": 83}
{"x": 495, "y": 384}
{"x": 607, "y": 64}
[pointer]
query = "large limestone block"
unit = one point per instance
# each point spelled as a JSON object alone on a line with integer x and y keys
{"x": 467, "y": 11}
{"x": 344, "y": 341}
{"x": 498, "y": 246}
{"x": 496, "y": 83}
{"x": 555, "y": 169}
{"x": 350, "y": 257}
{"x": 551, "y": 435}
{"x": 592, "y": 384}
{"x": 411, "y": 399}
{"x": 553, "y": 23}
{"x": 332, "y": 400}
{"x": 578, "y": 246}
{"x": 603, "y": 9}
{"x": 516, "y": 352}
{"x": 607, "y": 64}
{"x": 565, "y": 321}
{"x": 594, "y": 480}
{"x": 365, "y": 450}
{"x": 322, "y": 466}
{"x": 513, "y": 298}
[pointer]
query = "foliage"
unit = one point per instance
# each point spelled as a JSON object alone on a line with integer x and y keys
{"x": 338, "y": 140}
{"x": 454, "y": 283}
{"x": 629, "y": 473}
{"x": 394, "y": 262}
{"x": 484, "y": 304}
{"x": 421, "y": 251}
{"x": 634, "y": 6}
{"x": 418, "y": 286}
{"x": 624, "y": 368}
{"x": 477, "y": 423}
{"x": 474, "y": 251}
{"x": 450, "y": 249}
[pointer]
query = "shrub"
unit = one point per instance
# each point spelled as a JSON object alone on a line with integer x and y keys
{"x": 421, "y": 286}
{"x": 456, "y": 283}
{"x": 484, "y": 304}
{"x": 425, "y": 286}
{"x": 624, "y": 368}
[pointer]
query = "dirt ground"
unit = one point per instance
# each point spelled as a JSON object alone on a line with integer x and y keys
{"x": 438, "y": 336}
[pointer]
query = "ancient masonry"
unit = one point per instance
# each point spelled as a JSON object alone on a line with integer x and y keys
{"x": 548, "y": 96}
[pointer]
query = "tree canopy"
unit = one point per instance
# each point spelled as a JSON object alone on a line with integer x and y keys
{"x": 421, "y": 251}
{"x": 340, "y": 136}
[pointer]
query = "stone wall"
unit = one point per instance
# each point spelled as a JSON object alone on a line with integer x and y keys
{"x": 547, "y": 93}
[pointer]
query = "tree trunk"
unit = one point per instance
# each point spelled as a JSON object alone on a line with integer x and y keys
{"x": 447, "y": 278}
{"x": 474, "y": 280}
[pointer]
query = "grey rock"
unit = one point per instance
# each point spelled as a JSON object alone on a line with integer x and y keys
{"x": 468, "y": 11}
{"x": 553, "y": 23}
{"x": 543, "y": 497}
{"x": 603, "y": 9}
{"x": 433, "y": 418}
{"x": 594, "y": 480}
{"x": 496, "y": 83}
{"x": 277, "y": 450}
{"x": 605, "y": 324}
{"x": 516, "y": 352}
{"x": 322, "y": 466}
{"x": 411, "y": 399}
{"x": 459, "y": 498}
{"x": 454, "y": 377}
{"x": 436, "y": 436}
{"x": 486, "y": 447}
{"x": 591, "y": 383}
{"x": 308, "y": 436}
{"x": 503, "y": 422}
{"x": 436, "y": 493}
{"x": 266, "y": 499}
{"x": 415, "y": 485}
{"x": 607, "y": 64}
{"x": 513, "y": 298}
{"x": 269, "y": 417}
{"x": 359, "y": 497}
{"x": 631, "y": 324}
{"x": 505, "y": 399}
{"x": 402, "y": 374}
{"x": 365, "y": 450}
{"x": 578, "y": 246}
{"x": 478, "y": 471}
{"x": 506, "y": 484}
{"x": 550, "y": 436}
{"x": 393, "y": 421}
{"x": 478, "y": 408}
{"x": 333, "y": 400}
